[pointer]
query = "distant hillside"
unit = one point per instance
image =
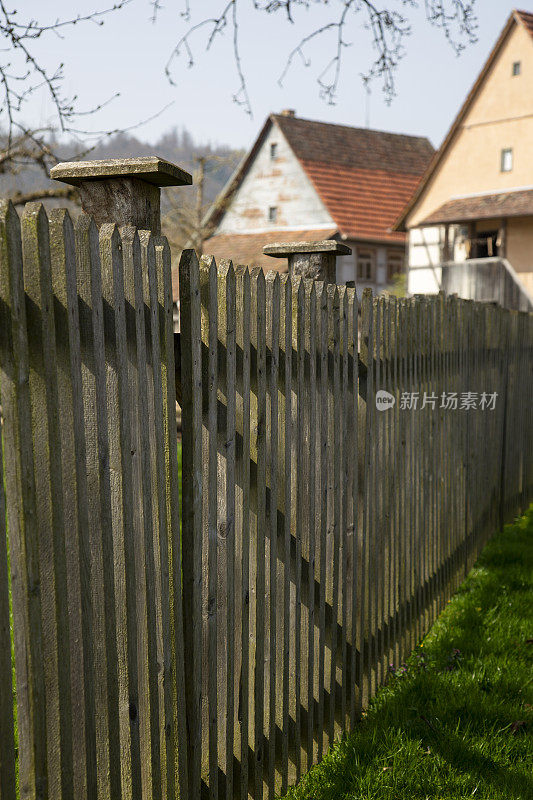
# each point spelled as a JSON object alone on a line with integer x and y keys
{"x": 177, "y": 145}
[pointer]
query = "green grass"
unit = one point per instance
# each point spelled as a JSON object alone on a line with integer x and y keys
{"x": 458, "y": 722}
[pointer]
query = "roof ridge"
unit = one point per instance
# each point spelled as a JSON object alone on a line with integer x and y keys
{"x": 348, "y": 127}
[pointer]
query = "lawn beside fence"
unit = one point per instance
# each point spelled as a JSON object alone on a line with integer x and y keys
{"x": 457, "y": 720}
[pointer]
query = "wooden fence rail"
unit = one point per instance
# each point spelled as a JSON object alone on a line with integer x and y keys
{"x": 323, "y": 532}
{"x": 221, "y": 653}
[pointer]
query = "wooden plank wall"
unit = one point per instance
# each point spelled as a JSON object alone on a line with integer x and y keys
{"x": 87, "y": 387}
{"x": 322, "y": 535}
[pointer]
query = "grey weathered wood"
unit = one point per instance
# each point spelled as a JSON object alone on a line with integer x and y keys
{"x": 142, "y": 524}
{"x": 260, "y": 435}
{"x": 299, "y": 384}
{"x": 357, "y": 572}
{"x": 178, "y": 740}
{"x": 158, "y": 369}
{"x": 7, "y": 732}
{"x": 366, "y": 355}
{"x": 311, "y": 305}
{"x": 49, "y": 495}
{"x": 191, "y": 376}
{"x": 100, "y": 349}
{"x": 243, "y": 341}
{"x": 322, "y": 294}
{"x": 273, "y": 331}
{"x": 208, "y": 289}
{"x": 286, "y": 343}
{"x": 122, "y": 502}
{"x": 335, "y": 519}
{"x": 344, "y": 456}
{"x": 394, "y": 449}
{"x": 71, "y": 327}
{"x": 374, "y": 532}
{"x": 230, "y": 434}
{"x": 87, "y": 262}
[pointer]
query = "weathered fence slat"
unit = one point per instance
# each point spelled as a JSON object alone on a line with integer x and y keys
{"x": 273, "y": 331}
{"x": 243, "y": 470}
{"x": 191, "y": 377}
{"x": 286, "y": 344}
{"x": 356, "y": 663}
{"x": 323, "y": 307}
{"x": 49, "y": 494}
{"x": 259, "y": 298}
{"x": 311, "y": 345}
{"x": 7, "y": 732}
{"x": 73, "y": 454}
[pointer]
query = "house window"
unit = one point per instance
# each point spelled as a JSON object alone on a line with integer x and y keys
{"x": 365, "y": 265}
{"x": 273, "y": 152}
{"x": 394, "y": 265}
{"x": 273, "y": 214}
{"x": 507, "y": 159}
{"x": 517, "y": 68}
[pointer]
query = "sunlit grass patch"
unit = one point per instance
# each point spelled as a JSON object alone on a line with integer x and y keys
{"x": 457, "y": 722}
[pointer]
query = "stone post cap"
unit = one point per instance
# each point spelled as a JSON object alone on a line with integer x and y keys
{"x": 150, "y": 169}
{"x": 326, "y": 246}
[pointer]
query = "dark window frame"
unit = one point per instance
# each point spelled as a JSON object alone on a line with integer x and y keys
{"x": 369, "y": 256}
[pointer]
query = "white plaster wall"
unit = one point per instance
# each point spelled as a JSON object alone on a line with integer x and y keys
{"x": 425, "y": 246}
{"x": 346, "y": 268}
{"x": 424, "y": 280}
{"x": 282, "y": 183}
{"x": 381, "y": 266}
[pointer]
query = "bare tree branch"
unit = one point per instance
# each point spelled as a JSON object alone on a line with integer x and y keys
{"x": 387, "y": 21}
{"x": 66, "y": 193}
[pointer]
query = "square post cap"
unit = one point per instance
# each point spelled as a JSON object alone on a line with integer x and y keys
{"x": 326, "y": 246}
{"x": 312, "y": 260}
{"x": 150, "y": 169}
{"x": 126, "y": 191}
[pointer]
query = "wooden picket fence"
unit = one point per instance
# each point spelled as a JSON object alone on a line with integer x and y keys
{"x": 87, "y": 383}
{"x": 322, "y": 536}
{"x": 219, "y": 652}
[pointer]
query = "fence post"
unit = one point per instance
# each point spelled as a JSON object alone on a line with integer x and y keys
{"x": 314, "y": 260}
{"x": 125, "y": 191}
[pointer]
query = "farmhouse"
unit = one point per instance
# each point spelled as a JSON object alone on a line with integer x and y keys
{"x": 308, "y": 180}
{"x": 475, "y": 201}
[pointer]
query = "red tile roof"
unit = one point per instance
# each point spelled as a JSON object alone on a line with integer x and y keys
{"x": 247, "y": 248}
{"x": 363, "y": 177}
{"x": 363, "y": 202}
{"x": 350, "y": 147}
{"x": 487, "y": 206}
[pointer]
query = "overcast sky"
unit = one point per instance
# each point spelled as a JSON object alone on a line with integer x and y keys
{"x": 128, "y": 54}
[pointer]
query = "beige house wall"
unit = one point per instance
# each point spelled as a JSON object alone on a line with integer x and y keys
{"x": 500, "y": 117}
{"x": 520, "y": 248}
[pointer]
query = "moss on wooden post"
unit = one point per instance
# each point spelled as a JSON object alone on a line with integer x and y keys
{"x": 313, "y": 260}
{"x": 122, "y": 190}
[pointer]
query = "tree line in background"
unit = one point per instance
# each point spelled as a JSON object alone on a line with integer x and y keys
{"x": 183, "y": 210}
